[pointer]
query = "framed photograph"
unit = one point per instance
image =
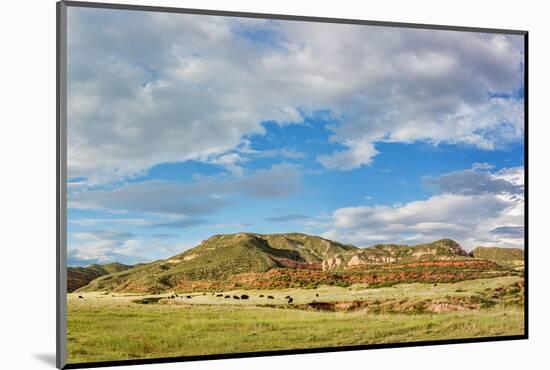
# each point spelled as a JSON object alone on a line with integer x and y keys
{"x": 235, "y": 184}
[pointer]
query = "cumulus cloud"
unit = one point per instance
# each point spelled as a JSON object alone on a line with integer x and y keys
{"x": 97, "y": 246}
{"x": 489, "y": 214}
{"x": 478, "y": 180}
{"x": 197, "y": 86}
{"x": 359, "y": 153}
{"x": 105, "y": 245}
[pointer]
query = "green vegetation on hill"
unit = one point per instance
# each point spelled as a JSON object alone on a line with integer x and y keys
{"x": 510, "y": 257}
{"x": 221, "y": 256}
{"x": 293, "y": 259}
{"x": 310, "y": 248}
{"x": 498, "y": 254}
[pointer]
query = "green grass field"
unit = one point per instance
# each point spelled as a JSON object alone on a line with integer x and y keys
{"x": 103, "y": 327}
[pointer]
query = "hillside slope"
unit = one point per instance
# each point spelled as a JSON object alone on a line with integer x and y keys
{"x": 221, "y": 256}
{"x": 445, "y": 249}
{"x": 78, "y": 277}
{"x": 511, "y": 257}
{"x": 278, "y": 260}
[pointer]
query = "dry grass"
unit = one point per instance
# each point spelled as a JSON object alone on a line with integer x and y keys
{"x": 102, "y": 327}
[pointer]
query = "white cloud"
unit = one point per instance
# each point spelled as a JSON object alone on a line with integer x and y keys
{"x": 488, "y": 215}
{"x": 197, "y": 86}
{"x": 104, "y": 245}
{"x": 230, "y": 162}
{"x": 479, "y": 180}
{"x": 359, "y": 153}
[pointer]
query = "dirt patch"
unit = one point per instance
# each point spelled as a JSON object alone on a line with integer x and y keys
{"x": 150, "y": 300}
{"x": 338, "y": 306}
{"x": 445, "y": 307}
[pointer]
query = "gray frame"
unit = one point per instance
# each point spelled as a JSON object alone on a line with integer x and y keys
{"x": 61, "y": 177}
{"x": 61, "y": 189}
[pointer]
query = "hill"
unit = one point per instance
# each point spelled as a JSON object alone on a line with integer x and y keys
{"x": 293, "y": 259}
{"x": 221, "y": 256}
{"x": 78, "y": 277}
{"x": 444, "y": 249}
{"x": 511, "y": 257}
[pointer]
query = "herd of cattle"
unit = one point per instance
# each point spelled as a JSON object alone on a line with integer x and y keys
{"x": 289, "y": 299}
{"x": 219, "y": 295}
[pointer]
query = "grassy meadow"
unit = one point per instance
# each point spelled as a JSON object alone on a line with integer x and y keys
{"x": 106, "y": 326}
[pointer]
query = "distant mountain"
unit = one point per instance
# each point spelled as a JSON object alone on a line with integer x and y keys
{"x": 78, "y": 277}
{"x": 245, "y": 258}
{"x": 444, "y": 249}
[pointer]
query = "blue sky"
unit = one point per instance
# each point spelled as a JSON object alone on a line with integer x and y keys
{"x": 208, "y": 125}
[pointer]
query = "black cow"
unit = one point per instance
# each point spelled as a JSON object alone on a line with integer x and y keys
{"x": 81, "y": 297}
{"x": 270, "y": 297}
{"x": 172, "y": 296}
{"x": 236, "y": 297}
{"x": 219, "y": 295}
{"x": 316, "y": 294}
{"x": 261, "y": 295}
{"x": 290, "y": 300}
{"x": 188, "y": 297}
{"x": 287, "y": 297}
{"x": 244, "y": 296}
{"x": 227, "y": 296}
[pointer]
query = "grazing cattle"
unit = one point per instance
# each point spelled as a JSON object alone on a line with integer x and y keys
{"x": 227, "y": 296}
{"x": 261, "y": 295}
{"x": 287, "y": 297}
{"x": 290, "y": 300}
{"x": 244, "y": 296}
{"x": 188, "y": 297}
{"x": 176, "y": 295}
{"x": 172, "y": 296}
{"x": 316, "y": 294}
{"x": 236, "y": 297}
{"x": 435, "y": 284}
{"x": 219, "y": 295}
{"x": 270, "y": 297}
{"x": 81, "y": 297}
